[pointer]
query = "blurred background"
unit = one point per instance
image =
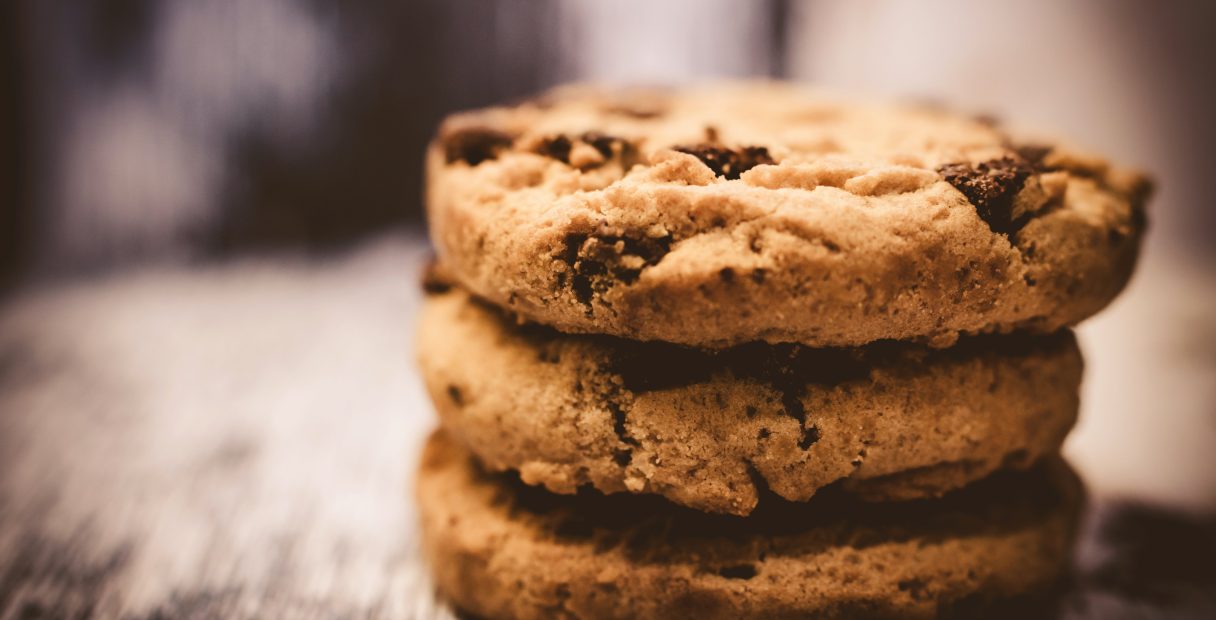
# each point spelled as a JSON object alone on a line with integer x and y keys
{"x": 210, "y": 231}
{"x": 139, "y": 130}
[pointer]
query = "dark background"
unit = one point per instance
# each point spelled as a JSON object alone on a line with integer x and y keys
{"x": 143, "y": 130}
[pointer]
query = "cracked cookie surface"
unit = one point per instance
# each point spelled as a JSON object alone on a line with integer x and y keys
{"x": 727, "y": 214}
{"x": 500, "y": 549}
{"x": 713, "y": 430}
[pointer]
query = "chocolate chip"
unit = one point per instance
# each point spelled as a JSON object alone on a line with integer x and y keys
{"x": 738, "y": 571}
{"x": 991, "y": 187}
{"x": 601, "y": 142}
{"x": 572, "y": 243}
{"x": 557, "y": 147}
{"x": 726, "y": 162}
{"x": 456, "y": 396}
{"x": 622, "y": 457}
{"x": 598, "y": 265}
{"x": 810, "y": 435}
{"x": 583, "y": 288}
{"x": 474, "y": 144}
{"x": 727, "y": 274}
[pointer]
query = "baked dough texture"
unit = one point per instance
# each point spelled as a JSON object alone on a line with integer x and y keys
{"x": 725, "y": 214}
{"x": 500, "y": 549}
{"x": 713, "y": 430}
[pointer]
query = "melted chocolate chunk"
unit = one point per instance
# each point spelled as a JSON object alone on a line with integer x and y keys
{"x": 991, "y": 187}
{"x": 726, "y": 162}
{"x": 622, "y": 457}
{"x": 557, "y": 147}
{"x": 598, "y": 261}
{"x": 474, "y": 144}
{"x": 601, "y": 142}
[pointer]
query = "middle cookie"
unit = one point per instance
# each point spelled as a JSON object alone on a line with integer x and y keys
{"x": 888, "y": 421}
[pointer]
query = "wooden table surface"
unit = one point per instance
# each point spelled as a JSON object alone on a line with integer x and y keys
{"x": 237, "y": 441}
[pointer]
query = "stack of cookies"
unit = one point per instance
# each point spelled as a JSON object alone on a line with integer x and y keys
{"x": 750, "y": 351}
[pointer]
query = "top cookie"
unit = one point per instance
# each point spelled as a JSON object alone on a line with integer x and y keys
{"x": 732, "y": 213}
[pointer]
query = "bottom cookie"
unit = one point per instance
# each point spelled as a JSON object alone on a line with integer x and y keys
{"x": 501, "y": 549}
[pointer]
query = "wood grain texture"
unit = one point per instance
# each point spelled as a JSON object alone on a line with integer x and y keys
{"x": 232, "y": 442}
{"x": 238, "y": 441}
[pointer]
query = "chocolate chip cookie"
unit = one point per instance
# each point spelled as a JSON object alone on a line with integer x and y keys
{"x": 734, "y": 213}
{"x": 500, "y": 549}
{"x": 710, "y": 430}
